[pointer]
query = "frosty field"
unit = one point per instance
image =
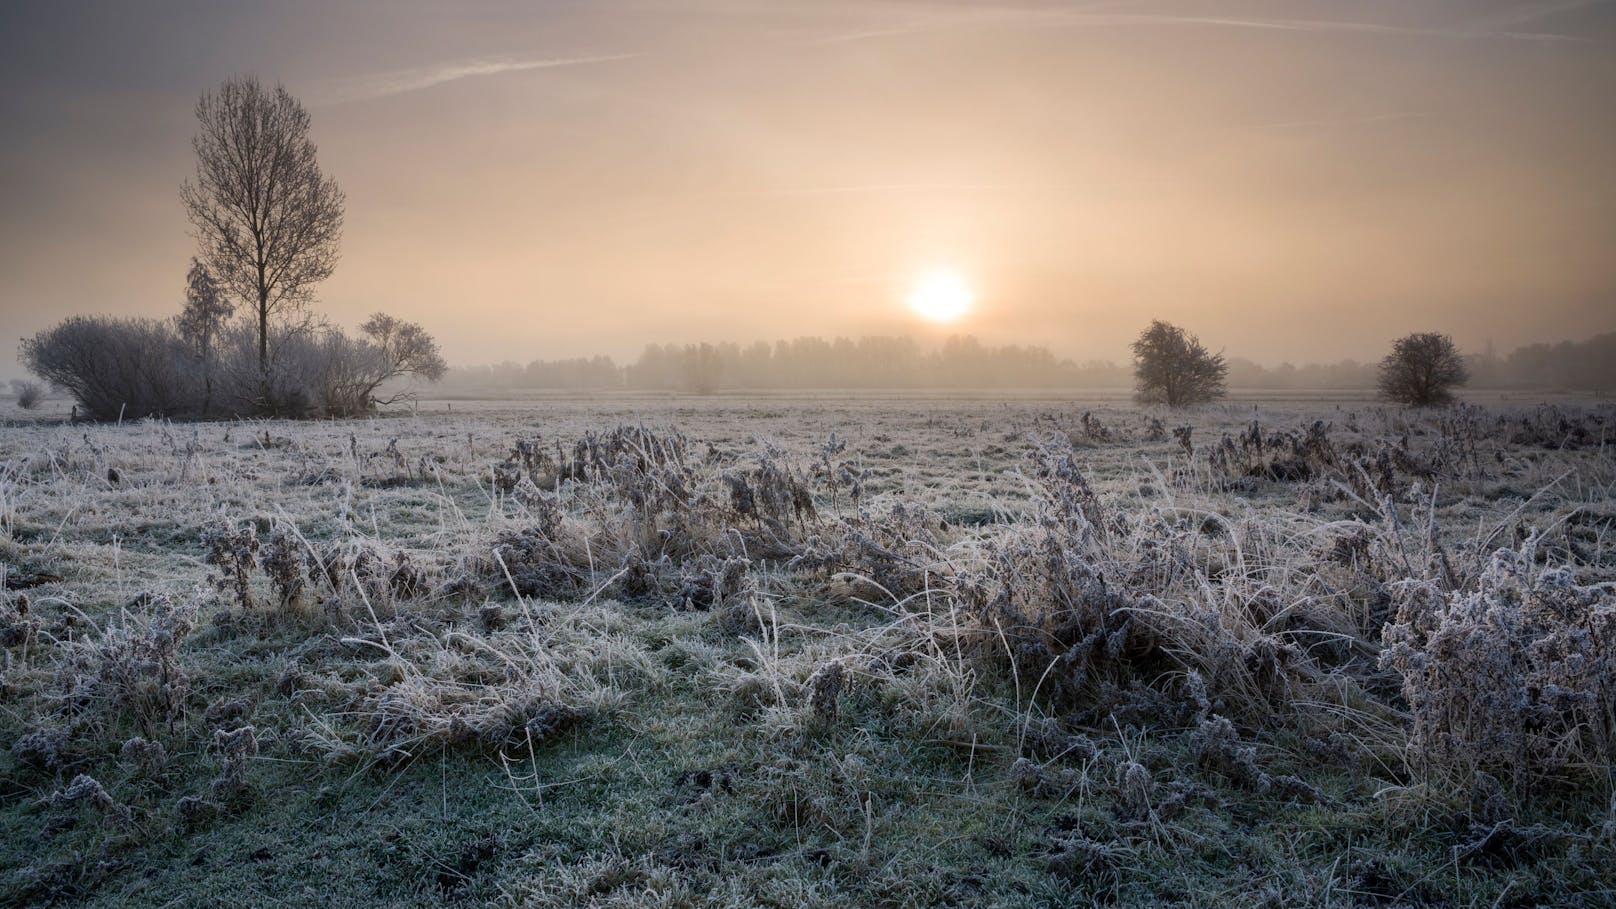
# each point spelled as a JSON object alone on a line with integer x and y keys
{"x": 809, "y": 651}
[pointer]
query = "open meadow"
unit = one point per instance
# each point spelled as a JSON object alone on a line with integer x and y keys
{"x": 813, "y": 651}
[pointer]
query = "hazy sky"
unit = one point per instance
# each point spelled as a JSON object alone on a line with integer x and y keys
{"x": 1293, "y": 179}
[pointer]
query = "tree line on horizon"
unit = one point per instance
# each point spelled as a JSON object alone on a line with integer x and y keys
{"x": 964, "y": 362}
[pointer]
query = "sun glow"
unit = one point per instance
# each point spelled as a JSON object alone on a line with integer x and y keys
{"x": 940, "y": 295}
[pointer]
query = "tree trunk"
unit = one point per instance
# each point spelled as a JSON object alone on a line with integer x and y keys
{"x": 207, "y": 374}
{"x": 263, "y": 348}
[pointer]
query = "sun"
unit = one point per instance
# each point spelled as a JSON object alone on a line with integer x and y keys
{"x": 940, "y": 295}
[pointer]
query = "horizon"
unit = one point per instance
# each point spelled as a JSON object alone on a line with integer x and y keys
{"x": 547, "y": 182}
{"x": 935, "y": 344}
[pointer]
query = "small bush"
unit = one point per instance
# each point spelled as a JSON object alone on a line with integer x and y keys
{"x": 136, "y": 668}
{"x": 233, "y": 551}
{"x": 28, "y": 394}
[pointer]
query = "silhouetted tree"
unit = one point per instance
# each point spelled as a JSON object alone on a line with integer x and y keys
{"x": 1588, "y": 365}
{"x": 1170, "y": 366}
{"x": 200, "y": 322}
{"x": 702, "y": 368}
{"x": 1422, "y": 370}
{"x": 398, "y": 349}
{"x": 267, "y": 221}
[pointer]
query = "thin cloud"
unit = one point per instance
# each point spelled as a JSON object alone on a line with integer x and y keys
{"x": 1322, "y": 26}
{"x": 1531, "y": 12}
{"x": 381, "y": 85}
{"x": 940, "y": 18}
{"x": 1342, "y": 121}
{"x": 1092, "y": 18}
{"x": 869, "y": 188}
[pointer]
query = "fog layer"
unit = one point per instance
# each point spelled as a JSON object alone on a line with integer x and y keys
{"x": 1296, "y": 181}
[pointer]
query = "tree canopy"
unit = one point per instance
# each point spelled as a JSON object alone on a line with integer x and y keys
{"x": 1172, "y": 367}
{"x": 1422, "y": 370}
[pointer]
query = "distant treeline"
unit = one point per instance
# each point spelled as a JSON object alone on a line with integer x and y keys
{"x": 1571, "y": 365}
{"x": 869, "y": 362}
{"x": 965, "y": 362}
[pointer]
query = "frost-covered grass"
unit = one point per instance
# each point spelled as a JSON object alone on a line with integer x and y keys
{"x": 801, "y": 651}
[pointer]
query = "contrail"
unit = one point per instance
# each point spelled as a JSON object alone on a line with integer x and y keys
{"x": 380, "y": 85}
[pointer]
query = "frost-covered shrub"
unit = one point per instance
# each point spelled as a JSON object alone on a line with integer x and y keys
{"x": 233, "y": 551}
{"x": 85, "y": 790}
{"x": 1559, "y": 428}
{"x": 146, "y": 757}
{"x": 17, "y": 627}
{"x": 356, "y": 574}
{"x": 1134, "y": 785}
{"x": 133, "y": 368}
{"x": 773, "y": 494}
{"x": 1101, "y": 611}
{"x": 1514, "y": 674}
{"x": 48, "y": 749}
{"x": 1280, "y": 456}
{"x": 350, "y": 575}
{"x": 825, "y": 689}
{"x": 631, "y": 516}
{"x": 894, "y": 549}
{"x": 28, "y": 394}
{"x": 115, "y": 367}
{"x": 284, "y": 558}
{"x": 133, "y": 669}
{"x": 235, "y": 747}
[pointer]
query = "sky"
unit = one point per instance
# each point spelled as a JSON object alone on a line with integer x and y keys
{"x": 1292, "y": 180}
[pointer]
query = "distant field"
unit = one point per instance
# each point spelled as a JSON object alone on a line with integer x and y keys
{"x": 824, "y": 649}
{"x": 439, "y": 398}
{"x": 436, "y": 399}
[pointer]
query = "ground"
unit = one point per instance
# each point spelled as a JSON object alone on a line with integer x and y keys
{"x": 813, "y": 650}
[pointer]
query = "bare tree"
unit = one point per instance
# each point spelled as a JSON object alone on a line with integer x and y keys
{"x": 200, "y": 322}
{"x": 1422, "y": 370}
{"x": 343, "y": 373}
{"x": 1170, "y": 366}
{"x": 266, "y": 220}
{"x": 401, "y": 349}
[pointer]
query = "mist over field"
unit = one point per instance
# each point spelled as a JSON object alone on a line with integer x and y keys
{"x": 1295, "y": 181}
{"x": 891, "y": 453}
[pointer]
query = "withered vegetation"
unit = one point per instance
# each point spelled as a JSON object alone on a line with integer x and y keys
{"x": 807, "y": 653}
